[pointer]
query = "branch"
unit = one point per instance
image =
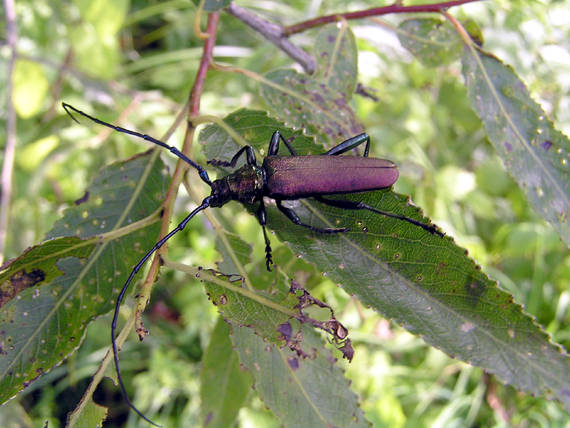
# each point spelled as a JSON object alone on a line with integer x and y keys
{"x": 376, "y": 11}
{"x": 207, "y": 58}
{"x": 10, "y": 150}
{"x": 275, "y": 34}
{"x": 193, "y": 104}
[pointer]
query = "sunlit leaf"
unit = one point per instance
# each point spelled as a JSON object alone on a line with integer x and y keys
{"x": 306, "y": 103}
{"x": 93, "y": 54}
{"x": 433, "y": 41}
{"x": 107, "y": 16}
{"x": 30, "y": 88}
{"x": 533, "y": 151}
{"x": 33, "y": 154}
{"x": 337, "y": 58}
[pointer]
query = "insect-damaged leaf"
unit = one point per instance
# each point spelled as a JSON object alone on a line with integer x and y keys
{"x": 427, "y": 284}
{"x": 533, "y": 151}
{"x": 62, "y": 284}
{"x": 319, "y": 104}
{"x": 309, "y": 391}
{"x": 307, "y": 103}
{"x": 264, "y": 310}
{"x": 90, "y": 415}
{"x": 337, "y": 58}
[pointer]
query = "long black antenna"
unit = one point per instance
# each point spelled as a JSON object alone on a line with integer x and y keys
{"x": 205, "y": 204}
{"x": 202, "y": 172}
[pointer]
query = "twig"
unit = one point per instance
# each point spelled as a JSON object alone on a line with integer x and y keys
{"x": 376, "y": 11}
{"x": 207, "y": 58}
{"x": 274, "y": 33}
{"x": 194, "y": 109}
{"x": 279, "y": 35}
{"x": 10, "y": 150}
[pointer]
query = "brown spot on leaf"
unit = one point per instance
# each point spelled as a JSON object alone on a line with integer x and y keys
{"x": 19, "y": 282}
{"x": 475, "y": 289}
{"x": 286, "y": 330}
{"x": 546, "y": 145}
{"x": 293, "y": 362}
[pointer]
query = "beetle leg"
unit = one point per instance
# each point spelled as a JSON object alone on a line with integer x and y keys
{"x": 352, "y": 205}
{"x": 249, "y": 153}
{"x": 351, "y": 143}
{"x": 262, "y": 217}
{"x": 291, "y": 215}
{"x": 274, "y": 145}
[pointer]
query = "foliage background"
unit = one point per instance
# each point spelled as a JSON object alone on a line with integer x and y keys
{"x": 136, "y": 61}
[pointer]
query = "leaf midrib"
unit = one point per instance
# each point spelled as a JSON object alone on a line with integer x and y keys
{"x": 437, "y": 303}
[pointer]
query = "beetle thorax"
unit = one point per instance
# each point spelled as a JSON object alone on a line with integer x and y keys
{"x": 244, "y": 185}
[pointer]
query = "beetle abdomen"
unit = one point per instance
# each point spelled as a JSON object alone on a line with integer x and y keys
{"x": 294, "y": 177}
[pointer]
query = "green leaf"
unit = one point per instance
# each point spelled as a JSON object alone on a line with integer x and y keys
{"x": 337, "y": 58}
{"x": 264, "y": 310}
{"x": 52, "y": 291}
{"x": 263, "y": 302}
{"x": 92, "y": 415}
{"x": 93, "y": 54}
{"x": 433, "y": 41}
{"x": 305, "y": 102}
{"x": 533, "y": 151}
{"x": 301, "y": 392}
{"x": 106, "y": 16}
{"x": 224, "y": 385}
{"x": 430, "y": 286}
{"x": 33, "y": 154}
{"x": 30, "y": 88}
{"x": 424, "y": 282}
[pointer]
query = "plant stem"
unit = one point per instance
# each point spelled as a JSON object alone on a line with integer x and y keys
{"x": 375, "y": 11}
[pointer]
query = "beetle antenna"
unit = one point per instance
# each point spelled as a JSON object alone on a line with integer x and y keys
{"x": 205, "y": 204}
{"x": 202, "y": 172}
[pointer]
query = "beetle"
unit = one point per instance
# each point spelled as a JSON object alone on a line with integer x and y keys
{"x": 280, "y": 178}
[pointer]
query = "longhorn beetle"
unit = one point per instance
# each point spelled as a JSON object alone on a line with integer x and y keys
{"x": 281, "y": 178}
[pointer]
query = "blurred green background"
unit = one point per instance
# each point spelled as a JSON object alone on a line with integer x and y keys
{"x": 134, "y": 63}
